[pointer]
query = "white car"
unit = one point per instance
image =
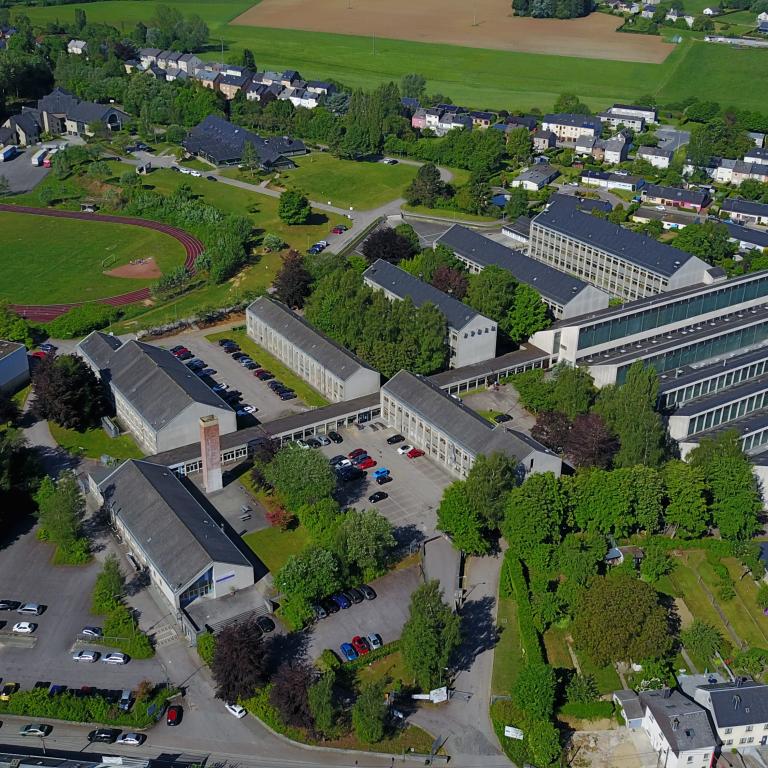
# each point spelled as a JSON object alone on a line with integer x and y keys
{"x": 403, "y": 449}
{"x": 131, "y": 739}
{"x": 114, "y": 658}
{"x": 24, "y": 628}
{"x": 88, "y": 656}
{"x": 185, "y": 171}
{"x": 92, "y": 631}
{"x": 236, "y": 710}
{"x": 196, "y": 174}
{"x": 374, "y": 641}
{"x": 249, "y": 409}
{"x": 302, "y": 444}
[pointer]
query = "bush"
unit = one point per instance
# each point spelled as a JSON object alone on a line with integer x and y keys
{"x": 121, "y": 631}
{"x": 328, "y": 661}
{"x": 512, "y": 571}
{"x": 81, "y": 320}
{"x": 206, "y": 647}
{"x": 379, "y": 653}
{"x": 77, "y": 552}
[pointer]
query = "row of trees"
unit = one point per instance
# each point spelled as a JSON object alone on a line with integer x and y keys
{"x": 60, "y": 511}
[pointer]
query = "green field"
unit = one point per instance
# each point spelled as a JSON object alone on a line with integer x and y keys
{"x": 50, "y": 261}
{"x": 477, "y": 77}
{"x": 346, "y": 183}
{"x": 274, "y": 546}
{"x": 508, "y": 654}
{"x": 95, "y": 443}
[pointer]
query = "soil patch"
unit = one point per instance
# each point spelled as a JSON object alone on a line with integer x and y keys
{"x": 480, "y": 24}
{"x": 145, "y": 269}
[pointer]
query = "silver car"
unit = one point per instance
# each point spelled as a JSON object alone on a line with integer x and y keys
{"x": 87, "y": 656}
{"x": 114, "y": 658}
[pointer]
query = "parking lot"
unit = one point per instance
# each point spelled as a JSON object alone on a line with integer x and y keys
{"x": 21, "y": 174}
{"x": 230, "y": 372}
{"x": 27, "y": 575}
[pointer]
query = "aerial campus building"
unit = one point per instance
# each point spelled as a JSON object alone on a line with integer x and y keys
{"x": 622, "y": 263}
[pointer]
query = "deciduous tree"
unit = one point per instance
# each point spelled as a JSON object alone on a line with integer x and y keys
{"x": 322, "y": 704}
{"x": 293, "y": 207}
{"x": 590, "y": 443}
{"x": 364, "y": 542}
{"x": 551, "y": 429}
{"x": 702, "y": 640}
{"x": 386, "y": 244}
{"x": 240, "y": 662}
{"x": 487, "y": 485}
{"x": 457, "y": 516}
{"x": 369, "y": 713}
{"x": 293, "y": 281}
{"x": 289, "y": 694}
{"x": 535, "y": 514}
{"x": 306, "y": 577}
{"x": 302, "y": 477}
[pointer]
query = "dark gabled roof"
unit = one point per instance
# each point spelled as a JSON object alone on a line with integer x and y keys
{"x": 465, "y": 427}
{"x": 747, "y": 234}
{"x": 523, "y": 120}
{"x": 539, "y": 173}
{"x": 332, "y": 356}
{"x": 407, "y": 101}
{"x": 99, "y": 347}
{"x": 237, "y": 81}
{"x": 684, "y": 723}
{"x": 548, "y": 281}
{"x": 696, "y": 196}
{"x": 542, "y": 134}
{"x": 582, "y": 203}
{"x": 735, "y": 704}
{"x": 655, "y": 151}
{"x": 620, "y": 107}
{"x": 402, "y": 284}
{"x": 156, "y": 384}
{"x": 737, "y": 205}
{"x": 601, "y": 233}
{"x": 758, "y": 152}
{"x": 608, "y": 176}
{"x": 149, "y": 52}
{"x": 27, "y": 121}
{"x": 169, "y": 523}
{"x": 577, "y": 121}
{"x": 482, "y": 115}
{"x": 521, "y": 225}
{"x": 60, "y": 102}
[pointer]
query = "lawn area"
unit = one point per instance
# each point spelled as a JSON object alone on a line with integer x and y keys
{"x": 95, "y": 443}
{"x": 51, "y": 261}
{"x": 346, "y": 183}
{"x": 508, "y": 656}
{"x": 489, "y": 415}
{"x": 606, "y": 677}
{"x": 274, "y": 546}
{"x": 20, "y": 397}
{"x": 557, "y": 648}
{"x": 444, "y": 214}
{"x": 310, "y": 396}
{"x": 520, "y": 80}
{"x": 388, "y": 668}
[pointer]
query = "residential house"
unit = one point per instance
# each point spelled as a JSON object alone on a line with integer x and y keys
{"x": 148, "y": 56}
{"x": 746, "y": 238}
{"x": 762, "y": 27}
{"x": 723, "y": 172}
{"x": 231, "y": 85}
{"x": 762, "y": 16}
{"x": 322, "y": 88}
{"x": 657, "y": 157}
{"x": 739, "y": 711}
{"x": 14, "y": 366}
{"x": 166, "y": 59}
{"x": 332, "y": 370}
{"x": 471, "y": 336}
{"x": 24, "y": 129}
{"x": 615, "y": 150}
{"x": 670, "y": 218}
{"x": 300, "y": 97}
{"x": 648, "y": 11}
{"x": 453, "y": 435}
{"x": 712, "y": 10}
{"x": 673, "y": 16}
{"x": 155, "y": 72}
{"x": 544, "y": 140}
{"x": 482, "y": 119}
{"x": 743, "y": 171}
{"x": 208, "y": 78}
{"x": 262, "y": 92}
{"x": 409, "y": 105}
{"x": 757, "y": 138}
{"x": 689, "y": 199}
{"x": 568, "y": 128}
{"x": 585, "y": 145}
{"x": 450, "y": 120}
{"x": 535, "y": 177}
{"x": 521, "y": 121}
{"x": 612, "y": 180}
{"x": 174, "y": 73}
{"x": 268, "y": 78}
{"x": 758, "y": 156}
{"x": 221, "y": 142}
{"x": 419, "y": 119}
{"x": 745, "y": 211}
{"x": 289, "y": 78}
{"x": 189, "y": 63}
{"x": 77, "y": 47}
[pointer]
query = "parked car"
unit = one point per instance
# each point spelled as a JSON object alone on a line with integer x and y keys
{"x": 35, "y": 729}
{"x": 313, "y": 442}
{"x": 342, "y": 601}
{"x": 288, "y": 395}
{"x": 335, "y": 437}
{"x": 115, "y": 657}
{"x": 339, "y": 229}
{"x": 403, "y": 449}
{"x": 348, "y": 651}
{"x": 174, "y": 714}
{"x": 367, "y": 463}
{"x": 381, "y": 472}
{"x": 358, "y": 460}
{"x": 176, "y": 351}
{"x": 265, "y": 624}
{"x": 357, "y": 452}
{"x": 383, "y": 479}
{"x": 330, "y": 606}
{"x": 374, "y": 641}
{"x": 185, "y": 355}
{"x": 388, "y": 161}
{"x": 48, "y": 348}
{"x": 360, "y": 644}
{"x": 224, "y": 342}
{"x": 104, "y": 735}
{"x": 236, "y": 710}
{"x": 87, "y": 656}
{"x": 9, "y": 605}
{"x": 375, "y": 498}
{"x": 322, "y": 439}
{"x": 131, "y": 739}
{"x": 368, "y": 592}
{"x": 502, "y": 418}
{"x": 395, "y": 439}
{"x": 211, "y": 178}
{"x": 276, "y": 384}
{"x": 355, "y": 595}
{"x": 207, "y": 372}
{"x": 8, "y": 690}
{"x": 302, "y": 444}
{"x": 349, "y": 474}
{"x": 92, "y": 631}
{"x": 337, "y": 461}
{"x": 414, "y": 453}
{"x": 24, "y": 628}
{"x": 30, "y": 609}
{"x": 238, "y": 355}
{"x": 319, "y": 611}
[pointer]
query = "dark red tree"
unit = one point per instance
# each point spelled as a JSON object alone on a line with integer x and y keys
{"x": 552, "y": 429}
{"x": 450, "y": 280}
{"x": 590, "y": 443}
{"x": 293, "y": 280}
{"x": 289, "y": 696}
{"x": 240, "y": 661}
{"x": 388, "y": 245}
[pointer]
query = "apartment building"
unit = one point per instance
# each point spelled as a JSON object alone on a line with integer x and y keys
{"x": 674, "y": 197}
{"x": 471, "y": 336}
{"x": 625, "y": 264}
{"x": 739, "y": 711}
{"x": 333, "y": 371}
{"x": 569, "y": 128}
{"x": 745, "y": 211}
{"x": 657, "y": 157}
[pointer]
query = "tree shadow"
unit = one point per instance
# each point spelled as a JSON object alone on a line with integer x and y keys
{"x": 407, "y": 537}
{"x": 316, "y": 219}
{"x": 478, "y": 631}
{"x": 293, "y": 646}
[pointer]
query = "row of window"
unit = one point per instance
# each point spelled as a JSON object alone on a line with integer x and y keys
{"x": 726, "y": 413}
{"x": 728, "y": 297}
{"x": 715, "y": 384}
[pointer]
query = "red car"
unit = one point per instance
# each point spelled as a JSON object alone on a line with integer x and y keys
{"x": 179, "y": 352}
{"x": 360, "y": 644}
{"x": 173, "y": 715}
{"x": 339, "y": 230}
{"x": 357, "y": 452}
{"x": 367, "y": 463}
{"x": 414, "y": 453}
{"x": 40, "y": 355}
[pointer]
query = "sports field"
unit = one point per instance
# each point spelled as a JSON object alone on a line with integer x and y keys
{"x": 50, "y": 261}
{"x": 478, "y": 77}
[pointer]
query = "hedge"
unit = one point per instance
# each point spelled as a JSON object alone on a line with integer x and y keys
{"x": 530, "y": 640}
{"x": 260, "y": 706}
{"x": 379, "y": 653}
{"x": 593, "y": 710}
{"x": 38, "y": 703}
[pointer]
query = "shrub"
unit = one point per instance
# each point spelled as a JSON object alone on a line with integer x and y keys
{"x": 206, "y": 647}
{"x": 328, "y": 661}
{"x": 81, "y": 320}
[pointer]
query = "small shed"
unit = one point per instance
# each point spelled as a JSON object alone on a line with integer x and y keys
{"x": 631, "y": 708}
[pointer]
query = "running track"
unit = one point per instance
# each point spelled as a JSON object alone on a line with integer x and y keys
{"x": 42, "y": 313}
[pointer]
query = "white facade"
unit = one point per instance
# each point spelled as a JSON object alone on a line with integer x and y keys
{"x": 668, "y": 757}
{"x": 569, "y": 133}
{"x": 77, "y": 47}
{"x": 650, "y": 156}
{"x": 14, "y": 366}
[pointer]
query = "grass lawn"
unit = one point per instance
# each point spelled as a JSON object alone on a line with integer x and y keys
{"x": 388, "y": 668}
{"x": 95, "y": 443}
{"x": 197, "y": 164}
{"x": 443, "y": 214}
{"x": 347, "y": 183}
{"x": 557, "y": 648}
{"x": 606, "y": 678}
{"x": 20, "y": 397}
{"x": 489, "y": 415}
{"x": 508, "y": 655}
{"x": 63, "y": 260}
{"x": 309, "y": 395}
{"x": 520, "y": 80}
{"x": 274, "y": 546}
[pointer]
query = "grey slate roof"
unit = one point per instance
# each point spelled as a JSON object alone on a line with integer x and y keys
{"x": 395, "y": 280}
{"x": 8, "y": 348}
{"x": 175, "y": 531}
{"x": 638, "y": 249}
{"x": 737, "y": 205}
{"x": 548, "y": 281}
{"x": 577, "y": 121}
{"x": 539, "y": 173}
{"x": 694, "y": 196}
{"x": 156, "y": 384}
{"x": 465, "y": 427}
{"x": 99, "y": 347}
{"x": 684, "y": 723}
{"x": 747, "y": 234}
{"x": 734, "y": 705}
{"x": 654, "y": 152}
{"x": 339, "y": 361}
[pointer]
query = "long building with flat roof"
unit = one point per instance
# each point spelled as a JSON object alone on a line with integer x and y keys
{"x": 625, "y": 264}
{"x": 675, "y": 329}
{"x": 564, "y": 294}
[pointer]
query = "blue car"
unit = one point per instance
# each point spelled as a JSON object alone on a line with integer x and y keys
{"x": 341, "y": 601}
{"x": 348, "y": 652}
{"x": 381, "y": 472}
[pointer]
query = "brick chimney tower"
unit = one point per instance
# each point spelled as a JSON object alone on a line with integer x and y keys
{"x": 210, "y": 448}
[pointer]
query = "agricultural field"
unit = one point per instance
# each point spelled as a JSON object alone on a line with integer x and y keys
{"x": 50, "y": 260}
{"x": 478, "y": 77}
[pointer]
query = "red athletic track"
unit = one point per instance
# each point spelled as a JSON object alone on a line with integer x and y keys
{"x": 42, "y": 313}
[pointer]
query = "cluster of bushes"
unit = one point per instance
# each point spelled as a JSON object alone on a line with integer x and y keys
{"x": 81, "y": 320}
{"x": 60, "y": 510}
{"x": 93, "y": 708}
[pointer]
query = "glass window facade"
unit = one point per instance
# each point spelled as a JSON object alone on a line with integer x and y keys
{"x": 680, "y": 311}
{"x": 201, "y": 587}
{"x": 728, "y": 412}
